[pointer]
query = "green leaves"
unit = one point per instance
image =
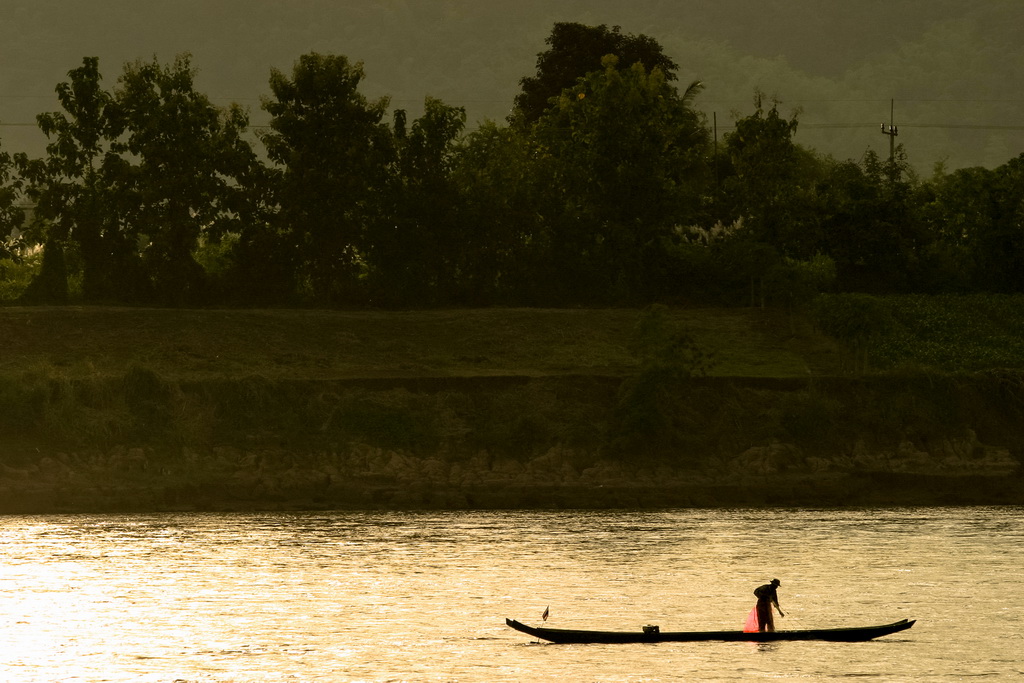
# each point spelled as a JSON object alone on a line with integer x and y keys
{"x": 954, "y": 333}
{"x": 648, "y": 418}
{"x": 577, "y": 50}
{"x": 626, "y": 156}
{"x": 417, "y": 252}
{"x": 576, "y": 202}
{"x": 12, "y": 217}
{"x": 661, "y": 345}
{"x": 133, "y": 178}
{"x": 764, "y": 184}
{"x": 186, "y": 161}
{"x": 335, "y": 156}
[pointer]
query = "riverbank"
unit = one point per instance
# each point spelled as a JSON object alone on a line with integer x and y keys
{"x": 125, "y": 410}
{"x": 134, "y": 481}
{"x": 531, "y": 443}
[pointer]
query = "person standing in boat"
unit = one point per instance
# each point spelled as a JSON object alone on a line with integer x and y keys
{"x": 767, "y": 597}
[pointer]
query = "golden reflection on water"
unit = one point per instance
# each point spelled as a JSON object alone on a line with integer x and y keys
{"x": 405, "y": 596}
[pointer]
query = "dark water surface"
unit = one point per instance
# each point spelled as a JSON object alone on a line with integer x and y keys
{"x": 423, "y": 597}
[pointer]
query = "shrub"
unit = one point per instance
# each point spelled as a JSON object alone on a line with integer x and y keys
{"x": 858, "y": 320}
{"x": 15, "y": 277}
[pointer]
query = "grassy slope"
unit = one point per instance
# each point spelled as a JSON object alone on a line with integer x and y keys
{"x": 312, "y": 344}
{"x": 128, "y": 357}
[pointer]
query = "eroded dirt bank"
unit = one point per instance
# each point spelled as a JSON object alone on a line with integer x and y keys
{"x": 531, "y": 443}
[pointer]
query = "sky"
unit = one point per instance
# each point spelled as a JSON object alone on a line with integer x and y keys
{"x": 947, "y": 70}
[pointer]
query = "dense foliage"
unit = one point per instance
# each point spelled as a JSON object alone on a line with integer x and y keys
{"x": 605, "y": 187}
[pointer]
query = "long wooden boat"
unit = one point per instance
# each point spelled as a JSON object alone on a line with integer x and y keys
{"x": 653, "y": 635}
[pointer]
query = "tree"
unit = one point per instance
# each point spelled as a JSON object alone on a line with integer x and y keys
{"x": 793, "y": 285}
{"x": 627, "y": 155}
{"x": 262, "y": 255}
{"x": 185, "y": 164}
{"x": 417, "y": 258}
{"x": 504, "y": 193}
{"x": 870, "y": 225}
{"x": 1000, "y": 240}
{"x": 954, "y": 208}
{"x": 12, "y": 217}
{"x": 764, "y": 180}
{"x": 71, "y": 190}
{"x": 334, "y": 156}
{"x": 576, "y": 50}
{"x": 960, "y": 204}
{"x": 745, "y": 264}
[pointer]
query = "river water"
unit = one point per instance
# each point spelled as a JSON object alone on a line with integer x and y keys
{"x": 423, "y": 596}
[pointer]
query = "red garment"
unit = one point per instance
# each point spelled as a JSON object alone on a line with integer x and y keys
{"x": 751, "y": 624}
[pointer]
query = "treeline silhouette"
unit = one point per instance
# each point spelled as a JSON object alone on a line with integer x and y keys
{"x": 605, "y": 186}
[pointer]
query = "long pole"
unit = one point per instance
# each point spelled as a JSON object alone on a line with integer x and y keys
{"x": 718, "y": 189}
{"x": 892, "y": 127}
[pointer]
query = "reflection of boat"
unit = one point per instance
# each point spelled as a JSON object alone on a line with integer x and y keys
{"x": 651, "y": 634}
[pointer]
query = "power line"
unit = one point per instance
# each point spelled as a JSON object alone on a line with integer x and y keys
{"x": 868, "y": 101}
{"x": 964, "y": 126}
{"x": 967, "y": 126}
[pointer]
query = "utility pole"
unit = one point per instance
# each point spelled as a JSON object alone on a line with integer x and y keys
{"x": 891, "y": 131}
{"x": 717, "y": 180}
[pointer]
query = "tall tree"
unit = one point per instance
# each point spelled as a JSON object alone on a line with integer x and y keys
{"x": 956, "y": 209}
{"x": 12, "y": 216}
{"x": 870, "y": 223}
{"x": 576, "y": 50}
{"x": 188, "y": 163}
{"x": 999, "y": 236}
{"x": 628, "y": 157}
{"x": 764, "y": 180}
{"x": 504, "y": 182}
{"x": 71, "y": 188}
{"x": 417, "y": 257}
{"x": 334, "y": 155}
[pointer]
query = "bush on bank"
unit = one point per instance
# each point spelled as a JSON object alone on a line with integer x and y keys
{"x": 700, "y": 422}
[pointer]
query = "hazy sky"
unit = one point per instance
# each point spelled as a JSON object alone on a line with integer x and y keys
{"x": 952, "y": 67}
